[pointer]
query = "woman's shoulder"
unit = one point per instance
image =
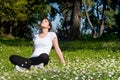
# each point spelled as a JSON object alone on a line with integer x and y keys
{"x": 52, "y": 33}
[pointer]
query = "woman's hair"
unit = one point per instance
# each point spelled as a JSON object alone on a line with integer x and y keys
{"x": 50, "y": 24}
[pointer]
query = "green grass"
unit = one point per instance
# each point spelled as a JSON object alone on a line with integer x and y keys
{"x": 85, "y": 60}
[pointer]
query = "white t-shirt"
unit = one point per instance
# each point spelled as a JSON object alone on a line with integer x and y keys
{"x": 43, "y": 45}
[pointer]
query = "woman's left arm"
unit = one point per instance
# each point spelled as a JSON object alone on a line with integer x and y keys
{"x": 58, "y": 50}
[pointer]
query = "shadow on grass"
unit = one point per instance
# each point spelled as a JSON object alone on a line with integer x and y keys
{"x": 96, "y": 44}
{"x": 83, "y": 44}
{"x": 15, "y": 42}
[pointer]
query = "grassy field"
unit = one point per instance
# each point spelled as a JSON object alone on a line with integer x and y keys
{"x": 86, "y": 60}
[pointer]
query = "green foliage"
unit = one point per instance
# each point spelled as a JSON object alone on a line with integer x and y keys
{"x": 12, "y": 12}
{"x": 89, "y": 2}
{"x": 16, "y": 15}
{"x": 110, "y": 20}
{"x": 85, "y": 60}
{"x": 21, "y": 9}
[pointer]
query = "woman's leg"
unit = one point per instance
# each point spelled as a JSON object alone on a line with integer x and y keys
{"x": 43, "y": 58}
{"x": 20, "y": 61}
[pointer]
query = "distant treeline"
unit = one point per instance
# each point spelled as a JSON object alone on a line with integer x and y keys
{"x": 77, "y": 17}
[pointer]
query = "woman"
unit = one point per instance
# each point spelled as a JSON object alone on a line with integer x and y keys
{"x": 42, "y": 45}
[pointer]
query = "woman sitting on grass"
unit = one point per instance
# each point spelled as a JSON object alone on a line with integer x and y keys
{"x": 42, "y": 45}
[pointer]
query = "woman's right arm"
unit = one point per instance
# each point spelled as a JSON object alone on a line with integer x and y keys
{"x": 58, "y": 50}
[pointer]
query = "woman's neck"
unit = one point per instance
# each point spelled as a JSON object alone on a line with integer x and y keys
{"x": 44, "y": 31}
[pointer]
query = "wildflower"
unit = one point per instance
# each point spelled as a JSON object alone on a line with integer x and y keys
{"x": 44, "y": 78}
{"x": 76, "y": 78}
{"x": 2, "y": 78}
{"x": 118, "y": 78}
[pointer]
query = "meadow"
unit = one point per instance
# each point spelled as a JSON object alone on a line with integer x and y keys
{"x": 85, "y": 60}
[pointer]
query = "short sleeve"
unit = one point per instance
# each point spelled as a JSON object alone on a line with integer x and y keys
{"x": 53, "y": 35}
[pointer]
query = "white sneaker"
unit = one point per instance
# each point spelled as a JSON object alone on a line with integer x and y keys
{"x": 18, "y": 68}
{"x": 41, "y": 65}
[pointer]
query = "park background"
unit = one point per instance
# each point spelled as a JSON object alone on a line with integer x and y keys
{"x": 88, "y": 32}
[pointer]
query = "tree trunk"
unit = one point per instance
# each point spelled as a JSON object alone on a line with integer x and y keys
{"x": 103, "y": 19}
{"x": 75, "y": 26}
{"x": 65, "y": 25}
{"x": 11, "y": 27}
{"x": 88, "y": 19}
{"x": 118, "y": 24}
{"x": 119, "y": 32}
{"x": 1, "y": 31}
{"x": 98, "y": 17}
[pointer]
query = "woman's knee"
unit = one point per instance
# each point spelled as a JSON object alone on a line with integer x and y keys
{"x": 20, "y": 61}
{"x": 12, "y": 58}
{"x": 45, "y": 58}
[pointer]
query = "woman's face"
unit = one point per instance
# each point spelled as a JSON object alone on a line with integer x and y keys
{"x": 45, "y": 24}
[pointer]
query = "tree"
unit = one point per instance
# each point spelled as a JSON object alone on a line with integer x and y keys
{"x": 116, "y": 5}
{"x": 100, "y": 16}
{"x": 88, "y": 19}
{"x": 17, "y": 14}
{"x": 75, "y": 26}
{"x": 103, "y": 18}
{"x": 70, "y": 10}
